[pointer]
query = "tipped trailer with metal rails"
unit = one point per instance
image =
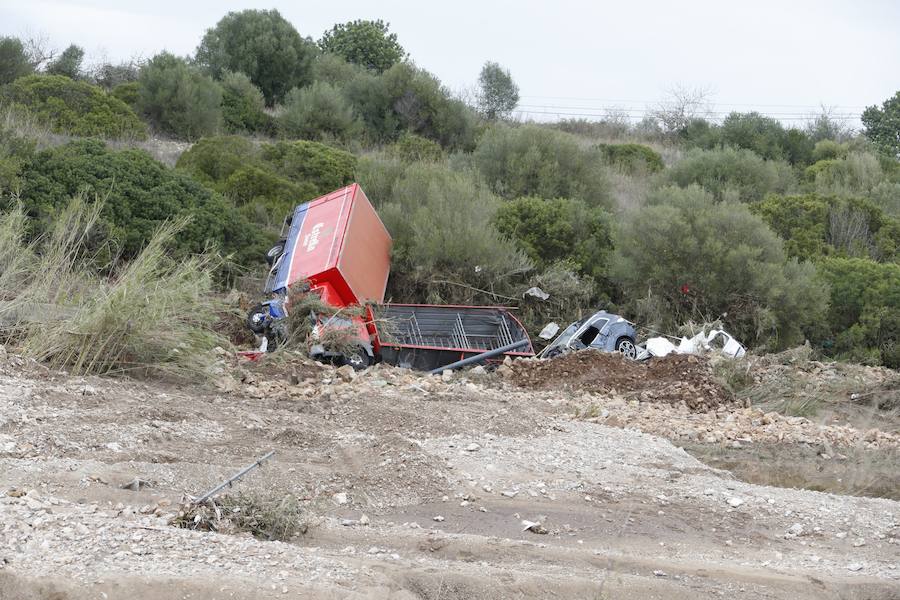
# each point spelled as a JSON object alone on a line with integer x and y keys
{"x": 337, "y": 247}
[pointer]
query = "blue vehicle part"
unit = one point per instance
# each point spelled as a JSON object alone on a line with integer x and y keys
{"x": 283, "y": 265}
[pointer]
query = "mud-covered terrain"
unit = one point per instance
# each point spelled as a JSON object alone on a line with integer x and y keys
{"x": 536, "y": 481}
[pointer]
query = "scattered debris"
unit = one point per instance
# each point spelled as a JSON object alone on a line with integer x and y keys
{"x": 534, "y": 527}
{"x": 136, "y": 484}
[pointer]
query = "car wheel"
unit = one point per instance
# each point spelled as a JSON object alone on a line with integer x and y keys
{"x": 257, "y": 318}
{"x": 274, "y": 252}
{"x": 553, "y": 352}
{"x": 357, "y": 358}
{"x": 625, "y": 346}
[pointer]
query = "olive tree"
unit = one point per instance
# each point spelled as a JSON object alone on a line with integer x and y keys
{"x": 498, "y": 94}
{"x": 263, "y": 45}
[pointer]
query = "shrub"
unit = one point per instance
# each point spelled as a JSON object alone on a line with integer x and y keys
{"x": 377, "y": 174}
{"x": 139, "y": 194}
{"x": 364, "y": 43}
{"x": 14, "y": 61}
{"x": 74, "y": 107}
{"x": 444, "y": 241}
{"x": 405, "y": 98}
{"x": 330, "y": 68}
{"x": 212, "y": 160}
{"x": 68, "y": 63}
{"x": 559, "y": 230}
{"x": 312, "y": 163}
{"x": 855, "y": 174}
{"x": 315, "y": 112}
{"x": 701, "y": 260}
{"x": 129, "y": 93}
{"x": 242, "y": 105}
{"x": 828, "y": 150}
{"x": 766, "y": 137}
{"x": 864, "y": 315}
{"x": 740, "y": 173}
{"x": 412, "y": 148}
{"x": 108, "y": 75}
{"x": 179, "y": 99}
{"x": 801, "y": 221}
{"x": 536, "y": 161}
{"x": 632, "y": 157}
{"x": 815, "y": 226}
{"x": 262, "y": 44}
{"x": 264, "y": 197}
{"x": 266, "y": 181}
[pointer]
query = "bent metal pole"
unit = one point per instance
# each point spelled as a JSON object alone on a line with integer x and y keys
{"x": 479, "y": 357}
{"x": 232, "y": 479}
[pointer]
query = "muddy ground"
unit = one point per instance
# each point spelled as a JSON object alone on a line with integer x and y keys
{"x": 418, "y": 487}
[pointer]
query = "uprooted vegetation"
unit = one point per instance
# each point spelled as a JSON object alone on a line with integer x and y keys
{"x": 268, "y": 516}
{"x": 150, "y": 315}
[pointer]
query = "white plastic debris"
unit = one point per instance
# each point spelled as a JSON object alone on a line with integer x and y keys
{"x": 537, "y": 293}
{"x": 549, "y": 330}
{"x": 659, "y": 346}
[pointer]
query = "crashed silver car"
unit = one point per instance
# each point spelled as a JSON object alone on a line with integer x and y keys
{"x": 602, "y": 331}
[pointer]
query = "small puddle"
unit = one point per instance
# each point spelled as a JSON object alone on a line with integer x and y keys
{"x": 871, "y": 473}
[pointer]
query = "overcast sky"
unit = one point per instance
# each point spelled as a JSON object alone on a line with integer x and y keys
{"x": 782, "y": 57}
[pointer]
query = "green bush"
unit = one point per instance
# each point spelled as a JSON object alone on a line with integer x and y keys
{"x": 801, "y": 221}
{"x": 814, "y": 226}
{"x": 74, "y": 107}
{"x": 178, "y": 98}
{"x": 766, "y": 137}
{"x": 855, "y": 174}
{"x": 864, "y": 315}
{"x": 243, "y": 105}
{"x": 128, "y": 92}
{"x": 318, "y": 111}
{"x": 139, "y": 194}
{"x": 406, "y": 98}
{"x": 828, "y": 150}
{"x": 377, "y": 174}
{"x": 265, "y": 182}
{"x": 364, "y": 43}
{"x": 444, "y": 241}
{"x": 536, "y": 161}
{"x": 15, "y": 151}
{"x": 632, "y": 158}
{"x": 14, "y": 61}
{"x": 698, "y": 259}
{"x": 261, "y": 44}
{"x": 412, "y": 148}
{"x": 212, "y": 160}
{"x": 559, "y": 230}
{"x": 323, "y": 167}
{"x": 731, "y": 173}
{"x": 264, "y": 197}
{"x": 330, "y": 68}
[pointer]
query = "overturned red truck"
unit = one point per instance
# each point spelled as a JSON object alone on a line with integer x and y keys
{"x": 339, "y": 246}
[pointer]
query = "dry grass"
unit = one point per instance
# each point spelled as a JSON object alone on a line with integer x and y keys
{"x": 267, "y": 516}
{"x": 152, "y": 316}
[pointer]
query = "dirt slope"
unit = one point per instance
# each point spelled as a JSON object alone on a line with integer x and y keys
{"x": 445, "y": 473}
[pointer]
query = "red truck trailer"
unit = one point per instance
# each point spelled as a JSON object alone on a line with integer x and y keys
{"x": 338, "y": 244}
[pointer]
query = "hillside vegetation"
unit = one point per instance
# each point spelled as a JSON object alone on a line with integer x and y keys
{"x": 783, "y": 234}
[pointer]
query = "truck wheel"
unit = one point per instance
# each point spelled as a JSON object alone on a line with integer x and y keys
{"x": 625, "y": 346}
{"x": 357, "y": 358}
{"x": 256, "y": 319}
{"x": 274, "y": 252}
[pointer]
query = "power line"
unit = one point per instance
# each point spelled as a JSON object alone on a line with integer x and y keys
{"x": 658, "y": 101}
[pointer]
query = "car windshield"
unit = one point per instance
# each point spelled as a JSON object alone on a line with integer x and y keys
{"x": 568, "y": 332}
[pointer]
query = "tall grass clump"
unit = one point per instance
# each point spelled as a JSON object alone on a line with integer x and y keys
{"x": 153, "y": 315}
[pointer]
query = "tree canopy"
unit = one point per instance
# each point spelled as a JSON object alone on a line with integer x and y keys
{"x": 261, "y": 44}
{"x": 368, "y": 44}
